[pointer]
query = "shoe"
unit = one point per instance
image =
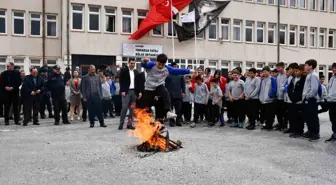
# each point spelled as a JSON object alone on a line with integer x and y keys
{"x": 43, "y": 117}
{"x": 171, "y": 122}
{"x": 71, "y": 118}
{"x": 171, "y": 115}
{"x": 307, "y": 135}
{"x": 178, "y": 124}
{"x": 287, "y": 131}
{"x": 36, "y": 123}
{"x": 56, "y": 123}
{"x": 277, "y": 126}
{"x": 91, "y": 125}
{"x": 331, "y": 139}
{"x": 120, "y": 128}
{"x": 51, "y": 116}
{"x": 222, "y": 122}
{"x": 66, "y": 122}
{"x": 314, "y": 137}
{"x": 250, "y": 127}
{"x": 103, "y": 125}
{"x": 211, "y": 124}
{"x": 78, "y": 118}
{"x": 17, "y": 123}
{"x": 192, "y": 125}
{"x": 234, "y": 124}
{"x": 130, "y": 127}
{"x": 25, "y": 124}
{"x": 241, "y": 125}
{"x": 84, "y": 119}
{"x": 295, "y": 135}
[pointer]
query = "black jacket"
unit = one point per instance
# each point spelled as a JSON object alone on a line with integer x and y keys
{"x": 10, "y": 79}
{"x": 125, "y": 79}
{"x": 56, "y": 85}
{"x": 295, "y": 92}
{"x": 139, "y": 85}
{"x": 44, "y": 89}
{"x": 175, "y": 85}
{"x": 67, "y": 77}
{"x": 28, "y": 86}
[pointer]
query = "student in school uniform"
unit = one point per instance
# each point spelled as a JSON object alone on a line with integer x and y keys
{"x": 268, "y": 89}
{"x": 228, "y": 103}
{"x": 322, "y": 101}
{"x": 236, "y": 96}
{"x": 274, "y": 73}
{"x": 201, "y": 97}
{"x": 294, "y": 90}
{"x": 188, "y": 99}
{"x": 309, "y": 97}
{"x": 252, "y": 88}
{"x": 332, "y": 103}
{"x": 216, "y": 95}
{"x": 280, "y": 104}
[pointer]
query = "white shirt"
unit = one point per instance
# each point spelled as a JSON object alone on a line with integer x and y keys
{"x": 131, "y": 73}
{"x": 145, "y": 75}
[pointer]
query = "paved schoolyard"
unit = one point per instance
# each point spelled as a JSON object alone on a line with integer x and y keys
{"x": 75, "y": 154}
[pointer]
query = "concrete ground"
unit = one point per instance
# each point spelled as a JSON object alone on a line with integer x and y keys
{"x": 75, "y": 154}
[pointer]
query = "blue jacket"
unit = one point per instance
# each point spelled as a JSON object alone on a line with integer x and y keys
{"x": 112, "y": 87}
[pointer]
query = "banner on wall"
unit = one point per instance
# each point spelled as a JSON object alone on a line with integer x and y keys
{"x": 141, "y": 50}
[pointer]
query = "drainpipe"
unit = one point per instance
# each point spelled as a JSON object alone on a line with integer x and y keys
{"x": 278, "y": 31}
{"x": 68, "y": 32}
{"x": 43, "y": 32}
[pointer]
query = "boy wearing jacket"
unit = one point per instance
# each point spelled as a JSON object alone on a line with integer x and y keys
{"x": 188, "y": 99}
{"x": 294, "y": 90}
{"x": 201, "y": 97}
{"x": 252, "y": 87}
{"x": 332, "y": 103}
{"x": 268, "y": 90}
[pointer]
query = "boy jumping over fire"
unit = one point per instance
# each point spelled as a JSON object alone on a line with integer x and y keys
{"x": 157, "y": 73}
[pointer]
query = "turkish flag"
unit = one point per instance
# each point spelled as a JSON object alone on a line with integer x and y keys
{"x": 161, "y": 12}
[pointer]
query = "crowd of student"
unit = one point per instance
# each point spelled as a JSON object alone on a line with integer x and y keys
{"x": 292, "y": 95}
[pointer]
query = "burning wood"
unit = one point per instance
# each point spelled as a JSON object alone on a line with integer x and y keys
{"x": 153, "y": 135}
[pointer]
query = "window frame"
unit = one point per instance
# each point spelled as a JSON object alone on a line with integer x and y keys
{"x": 315, "y": 3}
{"x": 252, "y": 30}
{"x": 263, "y": 2}
{"x": 333, "y": 7}
{"x": 21, "y": 18}
{"x": 4, "y": 17}
{"x": 333, "y": 38}
{"x": 315, "y": 36}
{"x": 305, "y": 36}
{"x": 82, "y": 12}
{"x": 168, "y": 30}
{"x": 274, "y": 32}
{"x": 106, "y": 14}
{"x": 295, "y": 31}
{"x": 228, "y": 28}
{"x": 295, "y": 5}
{"x": 51, "y": 20}
{"x": 162, "y": 31}
{"x": 240, "y": 30}
{"x": 127, "y": 16}
{"x": 94, "y": 13}
{"x": 305, "y": 4}
{"x": 263, "y": 32}
{"x": 324, "y": 37}
{"x": 216, "y": 30}
{"x": 35, "y": 19}
{"x": 285, "y": 31}
{"x": 284, "y": 5}
{"x": 274, "y": 2}
{"x": 325, "y": 5}
{"x": 140, "y": 16}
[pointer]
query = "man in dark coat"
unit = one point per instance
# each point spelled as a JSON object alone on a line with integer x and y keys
{"x": 32, "y": 86}
{"x": 45, "y": 94}
{"x": 176, "y": 87}
{"x": 67, "y": 75}
{"x": 10, "y": 83}
{"x": 56, "y": 87}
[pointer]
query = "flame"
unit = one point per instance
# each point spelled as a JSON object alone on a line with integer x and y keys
{"x": 148, "y": 130}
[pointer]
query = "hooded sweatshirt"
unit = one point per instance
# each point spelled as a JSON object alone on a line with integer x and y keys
{"x": 332, "y": 89}
{"x": 268, "y": 90}
{"x": 252, "y": 88}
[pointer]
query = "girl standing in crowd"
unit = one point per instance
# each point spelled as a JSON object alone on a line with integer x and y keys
{"x": 75, "y": 96}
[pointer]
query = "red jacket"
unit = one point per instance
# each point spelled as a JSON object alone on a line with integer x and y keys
{"x": 222, "y": 83}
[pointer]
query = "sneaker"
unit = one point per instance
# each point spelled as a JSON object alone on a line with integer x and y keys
{"x": 307, "y": 135}
{"x": 241, "y": 125}
{"x": 171, "y": 115}
{"x": 250, "y": 127}
{"x": 331, "y": 139}
{"x": 295, "y": 135}
{"x": 193, "y": 125}
{"x": 234, "y": 124}
{"x": 314, "y": 137}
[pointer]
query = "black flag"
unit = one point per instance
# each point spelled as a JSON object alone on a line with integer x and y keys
{"x": 205, "y": 12}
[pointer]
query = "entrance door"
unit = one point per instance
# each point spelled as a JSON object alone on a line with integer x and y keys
{"x": 84, "y": 62}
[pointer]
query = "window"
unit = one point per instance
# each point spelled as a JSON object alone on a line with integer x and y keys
{"x": 282, "y": 2}
{"x": 271, "y": 2}
{"x": 94, "y": 18}
{"x": 19, "y": 62}
{"x": 141, "y": 16}
{"x": 35, "y": 63}
{"x": 237, "y": 30}
{"x": 292, "y": 3}
{"x": 323, "y": 6}
{"x": 249, "y": 65}
{"x": 322, "y": 37}
{"x": 18, "y": 23}
{"x": 3, "y": 21}
{"x": 249, "y": 0}
{"x": 303, "y": 32}
{"x": 225, "y": 29}
{"x": 2, "y": 64}
{"x": 51, "y": 26}
{"x": 110, "y": 20}
{"x": 271, "y": 33}
{"x": 213, "y": 30}
{"x": 332, "y": 5}
{"x": 35, "y": 24}
{"x": 282, "y": 35}
{"x": 249, "y": 31}
{"x": 237, "y": 64}
{"x": 171, "y": 30}
{"x": 201, "y": 35}
{"x": 51, "y": 62}
{"x": 260, "y": 65}
{"x": 313, "y": 4}
{"x": 331, "y": 37}
{"x": 260, "y": 32}
{"x": 225, "y": 64}
{"x": 271, "y": 65}
{"x": 77, "y": 17}
{"x": 213, "y": 65}
{"x": 292, "y": 35}
{"x": 261, "y": 1}
{"x": 303, "y": 4}
{"x": 126, "y": 24}
{"x": 312, "y": 37}
{"x": 158, "y": 30}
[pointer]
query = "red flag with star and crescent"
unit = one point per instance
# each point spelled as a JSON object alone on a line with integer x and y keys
{"x": 161, "y": 11}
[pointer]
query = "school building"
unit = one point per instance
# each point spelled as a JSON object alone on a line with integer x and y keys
{"x": 244, "y": 34}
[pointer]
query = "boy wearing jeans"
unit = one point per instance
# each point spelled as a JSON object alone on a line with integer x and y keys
{"x": 216, "y": 96}
{"x": 252, "y": 87}
{"x": 309, "y": 97}
{"x": 236, "y": 96}
{"x": 187, "y": 99}
{"x": 268, "y": 90}
{"x": 157, "y": 72}
{"x": 201, "y": 97}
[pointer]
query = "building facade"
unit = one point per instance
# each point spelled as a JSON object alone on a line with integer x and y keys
{"x": 244, "y": 34}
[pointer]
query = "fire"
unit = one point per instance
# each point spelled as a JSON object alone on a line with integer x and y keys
{"x": 148, "y": 130}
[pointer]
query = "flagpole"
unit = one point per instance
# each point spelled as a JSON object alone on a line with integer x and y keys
{"x": 172, "y": 29}
{"x": 195, "y": 36}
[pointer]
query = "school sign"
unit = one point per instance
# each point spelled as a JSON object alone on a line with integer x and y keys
{"x": 141, "y": 50}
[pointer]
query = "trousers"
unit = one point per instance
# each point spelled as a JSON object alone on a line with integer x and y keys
{"x": 30, "y": 104}
{"x": 252, "y": 110}
{"x": 311, "y": 116}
